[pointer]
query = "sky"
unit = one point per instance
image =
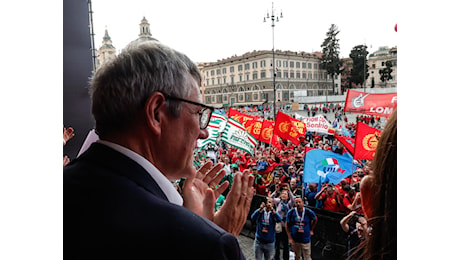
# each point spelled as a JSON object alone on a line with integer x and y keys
{"x": 207, "y": 31}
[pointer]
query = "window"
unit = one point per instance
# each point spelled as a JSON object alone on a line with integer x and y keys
{"x": 246, "y": 66}
{"x": 224, "y": 71}
{"x": 262, "y": 63}
{"x": 309, "y": 65}
{"x": 285, "y": 63}
{"x": 254, "y": 76}
{"x": 247, "y": 77}
{"x": 212, "y": 72}
{"x": 212, "y": 81}
{"x": 241, "y": 78}
{"x": 278, "y": 63}
{"x": 207, "y": 73}
{"x": 254, "y": 65}
{"x": 291, "y": 75}
{"x": 208, "y": 100}
{"x": 316, "y": 75}
{"x": 218, "y": 71}
{"x": 262, "y": 74}
{"x": 255, "y": 96}
{"x": 297, "y": 75}
{"x": 309, "y": 75}
{"x": 219, "y": 99}
{"x": 304, "y": 75}
{"x": 291, "y": 64}
{"x": 304, "y": 65}
{"x": 218, "y": 80}
{"x": 315, "y": 66}
{"x": 225, "y": 79}
{"x": 240, "y": 67}
{"x": 232, "y": 79}
{"x": 297, "y": 65}
{"x": 286, "y": 75}
{"x": 241, "y": 97}
{"x": 225, "y": 98}
{"x": 232, "y": 69}
{"x": 207, "y": 82}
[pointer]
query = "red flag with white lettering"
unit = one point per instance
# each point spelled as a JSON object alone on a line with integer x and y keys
{"x": 370, "y": 104}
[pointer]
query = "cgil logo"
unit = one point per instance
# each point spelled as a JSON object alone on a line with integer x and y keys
{"x": 328, "y": 165}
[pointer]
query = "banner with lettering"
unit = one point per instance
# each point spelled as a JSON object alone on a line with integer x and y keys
{"x": 318, "y": 124}
{"x": 370, "y": 104}
{"x": 236, "y": 135}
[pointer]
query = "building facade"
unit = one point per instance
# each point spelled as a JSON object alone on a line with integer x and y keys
{"x": 377, "y": 61}
{"x": 106, "y": 52}
{"x": 248, "y": 79}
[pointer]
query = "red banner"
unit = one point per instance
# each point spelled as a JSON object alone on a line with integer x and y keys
{"x": 348, "y": 142}
{"x": 289, "y": 128}
{"x": 366, "y": 141}
{"x": 267, "y": 132}
{"x": 254, "y": 127}
{"x": 240, "y": 117}
{"x": 370, "y": 104}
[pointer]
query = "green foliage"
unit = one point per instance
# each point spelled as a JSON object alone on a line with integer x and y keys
{"x": 385, "y": 73}
{"x": 331, "y": 50}
{"x": 360, "y": 71}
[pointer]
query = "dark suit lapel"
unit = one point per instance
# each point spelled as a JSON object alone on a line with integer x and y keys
{"x": 117, "y": 163}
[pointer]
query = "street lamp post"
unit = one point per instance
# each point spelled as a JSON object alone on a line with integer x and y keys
{"x": 273, "y": 51}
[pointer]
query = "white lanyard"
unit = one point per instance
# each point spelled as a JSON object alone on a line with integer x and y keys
{"x": 266, "y": 217}
{"x": 303, "y": 214}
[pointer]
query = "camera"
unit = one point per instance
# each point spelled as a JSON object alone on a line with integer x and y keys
{"x": 356, "y": 187}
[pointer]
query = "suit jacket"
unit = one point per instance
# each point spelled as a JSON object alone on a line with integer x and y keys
{"x": 114, "y": 209}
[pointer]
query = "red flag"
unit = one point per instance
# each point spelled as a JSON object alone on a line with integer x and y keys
{"x": 289, "y": 128}
{"x": 240, "y": 117}
{"x": 266, "y": 134}
{"x": 366, "y": 141}
{"x": 254, "y": 127}
{"x": 370, "y": 104}
{"x": 348, "y": 142}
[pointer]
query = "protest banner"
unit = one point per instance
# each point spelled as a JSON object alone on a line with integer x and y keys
{"x": 240, "y": 117}
{"x": 236, "y": 135}
{"x": 324, "y": 166}
{"x": 370, "y": 104}
{"x": 318, "y": 124}
{"x": 366, "y": 141}
{"x": 289, "y": 128}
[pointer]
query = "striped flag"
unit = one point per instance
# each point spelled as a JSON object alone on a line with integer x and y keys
{"x": 236, "y": 135}
{"x": 216, "y": 126}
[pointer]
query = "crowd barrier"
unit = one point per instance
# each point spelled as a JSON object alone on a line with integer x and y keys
{"x": 328, "y": 239}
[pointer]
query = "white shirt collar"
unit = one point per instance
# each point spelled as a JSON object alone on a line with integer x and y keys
{"x": 166, "y": 186}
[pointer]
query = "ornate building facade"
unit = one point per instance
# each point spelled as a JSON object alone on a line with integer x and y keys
{"x": 248, "y": 79}
{"x": 107, "y": 51}
{"x": 377, "y": 61}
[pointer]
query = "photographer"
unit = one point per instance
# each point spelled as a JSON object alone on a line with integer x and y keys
{"x": 352, "y": 200}
{"x": 330, "y": 198}
{"x": 355, "y": 225}
{"x": 265, "y": 218}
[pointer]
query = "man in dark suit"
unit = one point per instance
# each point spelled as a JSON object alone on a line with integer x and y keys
{"x": 118, "y": 197}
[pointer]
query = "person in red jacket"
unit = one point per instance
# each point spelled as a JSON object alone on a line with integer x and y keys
{"x": 330, "y": 198}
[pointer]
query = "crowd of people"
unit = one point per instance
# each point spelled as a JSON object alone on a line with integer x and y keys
{"x": 130, "y": 169}
{"x": 279, "y": 176}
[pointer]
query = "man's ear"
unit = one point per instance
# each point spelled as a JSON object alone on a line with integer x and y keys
{"x": 367, "y": 189}
{"x": 154, "y": 111}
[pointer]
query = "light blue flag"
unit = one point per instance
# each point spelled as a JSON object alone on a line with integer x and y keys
{"x": 324, "y": 166}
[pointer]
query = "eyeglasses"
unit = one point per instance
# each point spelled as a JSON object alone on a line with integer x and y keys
{"x": 205, "y": 112}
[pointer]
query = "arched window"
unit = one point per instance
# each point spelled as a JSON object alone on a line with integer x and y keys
{"x": 240, "y": 89}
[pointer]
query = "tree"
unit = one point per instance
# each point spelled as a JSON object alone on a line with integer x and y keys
{"x": 359, "y": 72}
{"x": 385, "y": 73}
{"x": 330, "y": 59}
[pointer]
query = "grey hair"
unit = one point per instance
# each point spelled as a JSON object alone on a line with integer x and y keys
{"x": 120, "y": 88}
